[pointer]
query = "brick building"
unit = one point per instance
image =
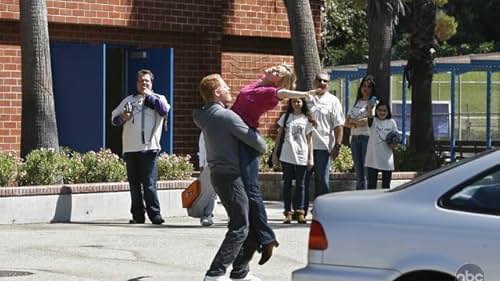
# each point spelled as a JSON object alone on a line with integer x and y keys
{"x": 237, "y": 38}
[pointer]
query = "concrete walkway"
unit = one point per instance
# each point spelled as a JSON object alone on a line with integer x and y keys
{"x": 180, "y": 250}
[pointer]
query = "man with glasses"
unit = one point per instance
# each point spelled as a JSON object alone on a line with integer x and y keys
{"x": 327, "y": 136}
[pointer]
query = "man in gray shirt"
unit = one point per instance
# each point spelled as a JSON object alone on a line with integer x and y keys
{"x": 222, "y": 130}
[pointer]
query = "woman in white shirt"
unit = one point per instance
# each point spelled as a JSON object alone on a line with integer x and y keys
{"x": 379, "y": 154}
{"x": 357, "y": 121}
{"x": 296, "y": 156}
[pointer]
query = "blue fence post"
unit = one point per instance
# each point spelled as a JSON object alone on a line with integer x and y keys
{"x": 452, "y": 113}
{"x": 488, "y": 108}
{"x": 347, "y": 93}
{"x": 403, "y": 112}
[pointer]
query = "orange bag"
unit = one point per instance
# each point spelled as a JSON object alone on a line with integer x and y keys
{"x": 191, "y": 193}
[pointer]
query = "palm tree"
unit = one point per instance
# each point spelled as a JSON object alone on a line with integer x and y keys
{"x": 39, "y": 127}
{"x": 383, "y": 16}
{"x": 419, "y": 72}
{"x": 305, "y": 50}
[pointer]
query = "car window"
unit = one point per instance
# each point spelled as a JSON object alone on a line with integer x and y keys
{"x": 480, "y": 196}
{"x": 438, "y": 171}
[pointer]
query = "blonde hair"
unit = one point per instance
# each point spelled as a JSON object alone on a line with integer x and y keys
{"x": 208, "y": 85}
{"x": 287, "y": 77}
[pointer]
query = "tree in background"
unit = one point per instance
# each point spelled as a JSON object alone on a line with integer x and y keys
{"x": 39, "y": 127}
{"x": 345, "y": 32}
{"x": 305, "y": 50}
{"x": 383, "y": 16}
{"x": 418, "y": 72}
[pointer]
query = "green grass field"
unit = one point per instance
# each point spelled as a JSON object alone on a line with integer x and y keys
{"x": 470, "y": 100}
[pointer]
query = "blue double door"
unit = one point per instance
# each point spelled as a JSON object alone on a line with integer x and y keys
{"x": 90, "y": 80}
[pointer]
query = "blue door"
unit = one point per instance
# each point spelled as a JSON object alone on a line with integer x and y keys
{"x": 160, "y": 62}
{"x": 78, "y": 72}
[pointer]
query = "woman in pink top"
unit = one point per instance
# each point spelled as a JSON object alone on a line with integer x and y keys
{"x": 254, "y": 100}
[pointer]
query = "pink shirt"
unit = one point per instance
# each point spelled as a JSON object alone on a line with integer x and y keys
{"x": 255, "y": 100}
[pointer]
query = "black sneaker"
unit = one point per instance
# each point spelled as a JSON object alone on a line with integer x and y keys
{"x": 136, "y": 221}
{"x": 157, "y": 220}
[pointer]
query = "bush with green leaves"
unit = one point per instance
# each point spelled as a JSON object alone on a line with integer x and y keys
{"x": 344, "y": 162}
{"x": 103, "y": 166}
{"x": 73, "y": 168}
{"x": 263, "y": 167}
{"x": 42, "y": 166}
{"x": 8, "y": 169}
{"x": 174, "y": 167}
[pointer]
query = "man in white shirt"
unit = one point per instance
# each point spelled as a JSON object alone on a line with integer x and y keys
{"x": 327, "y": 136}
{"x": 142, "y": 117}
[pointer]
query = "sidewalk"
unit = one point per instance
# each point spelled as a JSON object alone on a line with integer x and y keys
{"x": 180, "y": 250}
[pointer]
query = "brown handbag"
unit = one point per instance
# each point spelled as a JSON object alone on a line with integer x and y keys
{"x": 191, "y": 193}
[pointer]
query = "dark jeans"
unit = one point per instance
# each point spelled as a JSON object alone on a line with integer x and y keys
{"x": 260, "y": 230}
{"x": 234, "y": 198}
{"x": 373, "y": 175}
{"x": 291, "y": 172}
{"x": 321, "y": 172}
{"x": 358, "y": 149}
{"x": 142, "y": 174}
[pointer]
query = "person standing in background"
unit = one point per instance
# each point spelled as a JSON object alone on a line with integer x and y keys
{"x": 296, "y": 156}
{"x": 327, "y": 136}
{"x": 142, "y": 116}
{"x": 357, "y": 121}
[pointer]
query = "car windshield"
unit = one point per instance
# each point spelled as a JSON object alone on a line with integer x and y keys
{"x": 438, "y": 171}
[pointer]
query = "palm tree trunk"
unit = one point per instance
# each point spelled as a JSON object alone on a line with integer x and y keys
{"x": 39, "y": 128}
{"x": 305, "y": 49}
{"x": 419, "y": 72}
{"x": 380, "y": 29}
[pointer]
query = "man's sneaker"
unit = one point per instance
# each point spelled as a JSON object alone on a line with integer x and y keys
{"x": 157, "y": 220}
{"x": 216, "y": 278}
{"x": 206, "y": 221}
{"x": 249, "y": 277}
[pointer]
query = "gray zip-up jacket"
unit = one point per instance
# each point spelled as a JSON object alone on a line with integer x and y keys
{"x": 223, "y": 130}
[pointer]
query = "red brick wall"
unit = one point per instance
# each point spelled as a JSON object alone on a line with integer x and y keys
{"x": 10, "y": 90}
{"x": 195, "y": 29}
{"x": 262, "y": 18}
{"x": 239, "y": 69}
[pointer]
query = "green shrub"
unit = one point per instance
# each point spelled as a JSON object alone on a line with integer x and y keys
{"x": 409, "y": 160}
{"x": 174, "y": 167}
{"x": 42, "y": 167}
{"x": 263, "y": 167}
{"x": 8, "y": 169}
{"x": 103, "y": 166}
{"x": 344, "y": 162}
{"x": 73, "y": 168}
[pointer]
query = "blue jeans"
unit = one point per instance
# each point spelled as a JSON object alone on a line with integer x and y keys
{"x": 260, "y": 230}
{"x": 142, "y": 174}
{"x": 373, "y": 175}
{"x": 358, "y": 149}
{"x": 298, "y": 173}
{"x": 321, "y": 175}
{"x": 234, "y": 199}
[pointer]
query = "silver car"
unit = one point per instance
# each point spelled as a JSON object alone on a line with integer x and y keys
{"x": 444, "y": 225}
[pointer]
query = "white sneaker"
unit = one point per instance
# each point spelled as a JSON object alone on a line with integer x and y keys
{"x": 206, "y": 221}
{"x": 216, "y": 278}
{"x": 249, "y": 277}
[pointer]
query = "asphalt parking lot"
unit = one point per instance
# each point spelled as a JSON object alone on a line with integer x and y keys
{"x": 180, "y": 250}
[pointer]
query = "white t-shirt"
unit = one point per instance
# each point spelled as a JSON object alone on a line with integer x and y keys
{"x": 295, "y": 150}
{"x": 357, "y": 112}
{"x": 202, "y": 152}
{"x": 379, "y": 154}
{"x": 327, "y": 111}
